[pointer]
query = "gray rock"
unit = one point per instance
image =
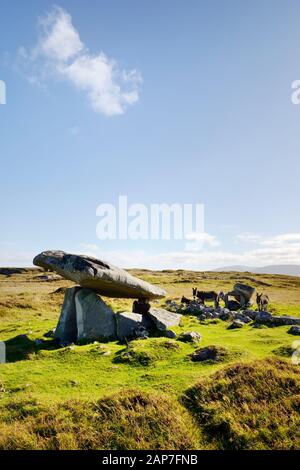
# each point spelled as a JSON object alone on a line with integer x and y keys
{"x": 263, "y": 317}
{"x": 209, "y": 353}
{"x": 285, "y": 320}
{"x": 236, "y": 324}
{"x": 66, "y": 330}
{"x": 190, "y": 337}
{"x": 141, "y": 332}
{"x": 102, "y": 277}
{"x": 95, "y": 319}
{"x": 250, "y": 313}
{"x": 163, "y": 319}
{"x": 294, "y": 330}
{"x": 226, "y": 314}
{"x": 194, "y": 308}
{"x": 170, "y": 334}
{"x": 241, "y": 317}
{"x": 127, "y": 324}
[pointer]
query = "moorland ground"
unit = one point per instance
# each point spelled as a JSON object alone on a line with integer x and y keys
{"x": 97, "y": 396}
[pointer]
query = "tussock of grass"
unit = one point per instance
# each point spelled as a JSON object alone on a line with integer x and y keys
{"x": 284, "y": 351}
{"x": 249, "y": 406}
{"x": 147, "y": 352}
{"x": 214, "y": 354}
{"x": 131, "y": 420}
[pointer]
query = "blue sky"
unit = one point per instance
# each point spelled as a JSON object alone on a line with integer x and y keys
{"x": 174, "y": 101}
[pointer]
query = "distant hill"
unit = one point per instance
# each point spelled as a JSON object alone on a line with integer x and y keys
{"x": 287, "y": 269}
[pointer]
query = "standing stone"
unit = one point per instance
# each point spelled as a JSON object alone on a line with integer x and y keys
{"x": 127, "y": 323}
{"x": 163, "y": 319}
{"x": 95, "y": 319}
{"x": 66, "y": 330}
{"x": 102, "y": 277}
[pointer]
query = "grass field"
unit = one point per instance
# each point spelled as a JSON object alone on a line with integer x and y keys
{"x": 41, "y": 382}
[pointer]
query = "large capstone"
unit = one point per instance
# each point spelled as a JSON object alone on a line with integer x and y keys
{"x": 95, "y": 319}
{"x": 100, "y": 276}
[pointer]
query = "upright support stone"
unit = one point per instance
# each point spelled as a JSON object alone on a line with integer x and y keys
{"x": 163, "y": 319}
{"x": 127, "y": 322}
{"x": 66, "y": 330}
{"x": 95, "y": 319}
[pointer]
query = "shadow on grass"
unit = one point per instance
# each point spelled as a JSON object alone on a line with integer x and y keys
{"x": 21, "y": 347}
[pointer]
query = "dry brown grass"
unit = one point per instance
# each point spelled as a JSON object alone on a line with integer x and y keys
{"x": 131, "y": 420}
{"x": 249, "y": 406}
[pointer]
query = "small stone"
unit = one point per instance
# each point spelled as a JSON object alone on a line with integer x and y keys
{"x": 235, "y": 325}
{"x": 241, "y": 317}
{"x": 170, "y": 334}
{"x": 294, "y": 330}
{"x": 209, "y": 353}
{"x": 190, "y": 337}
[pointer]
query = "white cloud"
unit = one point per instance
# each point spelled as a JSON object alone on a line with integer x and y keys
{"x": 282, "y": 240}
{"x": 286, "y": 253}
{"x": 61, "y": 54}
{"x": 205, "y": 238}
{"x": 286, "y": 250}
{"x": 249, "y": 237}
{"x": 59, "y": 39}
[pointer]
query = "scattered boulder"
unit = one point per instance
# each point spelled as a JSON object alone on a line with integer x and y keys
{"x": 235, "y": 325}
{"x": 190, "y": 337}
{"x": 10, "y": 271}
{"x": 250, "y": 313}
{"x": 95, "y": 319}
{"x": 263, "y": 317}
{"x": 243, "y": 318}
{"x": 225, "y": 314}
{"x": 210, "y": 353}
{"x": 163, "y": 319}
{"x": 285, "y": 320}
{"x": 170, "y": 334}
{"x": 100, "y": 276}
{"x": 294, "y": 330}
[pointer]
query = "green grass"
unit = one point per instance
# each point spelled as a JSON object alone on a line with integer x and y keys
{"x": 48, "y": 376}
